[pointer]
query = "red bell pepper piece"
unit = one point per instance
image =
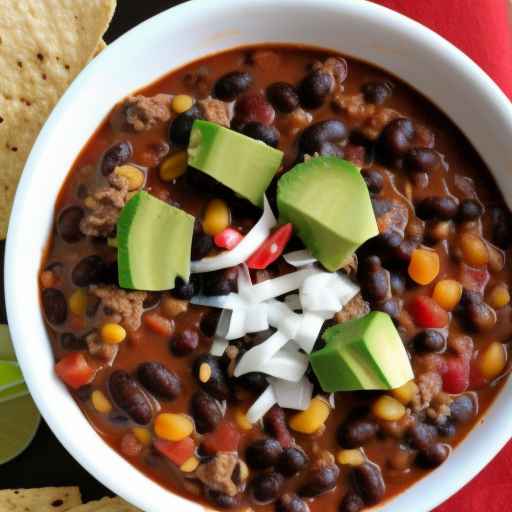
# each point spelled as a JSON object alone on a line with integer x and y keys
{"x": 271, "y": 248}
{"x": 224, "y": 439}
{"x": 74, "y": 370}
{"x": 228, "y": 239}
{"x": 177, "y": 452}
{"x": 456, "y": 376}
{"x": 426, "y": 312}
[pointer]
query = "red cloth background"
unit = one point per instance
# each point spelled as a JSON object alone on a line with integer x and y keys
{"x": 483, "y": 30}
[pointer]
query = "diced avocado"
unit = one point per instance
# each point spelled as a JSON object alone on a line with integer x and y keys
{"x": 154, "y": 242}
{"x": 244, "y": 165}
{"x": 327, "y": 201}
{"x": 366, "y": 353}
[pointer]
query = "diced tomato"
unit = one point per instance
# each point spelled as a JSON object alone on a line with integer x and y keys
{"x": 228, "y": 239}
{"x": 271, "y": 248}
{"x": 74, "y": 371}
{"x": 178, "y": 452}
{"x": 225, "y": 439}
{"x": 456, "y": 376}
{"x": 158, "y": 324}
{"x": 474, "y": 279}
{"x": 426, "y": 312}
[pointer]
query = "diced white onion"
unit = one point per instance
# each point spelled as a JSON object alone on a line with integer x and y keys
{"x": 236, "y": 327}
{"x": 299, "y": 258}
{"x": 223, "y": 405}
{"x": 292, "y": 395}
{"x": 285, "y": 365}
{"x": 218, "y": 347}
{"x": 256, "y": 318}
{"x": 244, "y": 282}
{"x": 308, "y": 331}
{"x": 331, "y": 400}
{"x": 293, "y": 302}
{"x": 262, "y": 405}
{"x": 256, "y": 236}
{"x": 230, "y": 301}
{"x": 283, "y": 318}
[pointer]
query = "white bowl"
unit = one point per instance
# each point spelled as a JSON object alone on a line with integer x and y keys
{"x": 360, "y": 29}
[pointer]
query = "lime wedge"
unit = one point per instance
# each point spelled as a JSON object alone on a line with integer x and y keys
{"x": 6, "y": 349}
{"x": 13, "y": 392}
{"x": 19, "y": 419}
{"x": 10, "y": 374}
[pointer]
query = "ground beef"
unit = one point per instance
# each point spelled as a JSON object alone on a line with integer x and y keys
{"x": 222, "y": 475}
{"x": 439, "y": 409}
{"x": 296, "y": 121}
{"x": 126, "y": 307}
{"x": 430, "y": 384}
{"x": 395, "y": 218}
{"x": 104, "y": 207}
{"x": 106, "y": 353}
{"x": 337, "y": 68}
{"x": 398, "y": 428}
{"x": 216, "y": 111}
{"x": 143, "y": 113}
{"x": 356, "y": 308}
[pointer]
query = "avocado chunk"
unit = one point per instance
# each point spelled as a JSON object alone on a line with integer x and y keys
{"x": 366, "y": 353}
{"x": 154, "y": 241}
{"x": 327, "y": 201}
{"x": 244, "y": 165}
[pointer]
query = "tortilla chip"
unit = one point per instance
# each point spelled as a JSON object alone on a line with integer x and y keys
{"x": 48, "y": 499}
{"x": 106, "y": 505}
{"x": 43, "y": 46}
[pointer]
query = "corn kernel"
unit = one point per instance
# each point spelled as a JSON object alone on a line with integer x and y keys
{"x": 112, "y": 333}
{"x": 499, "y": 296}
{"x": 172, "y": 307}
{"x": 447, "y": 293}
{"x": 143, "y": 435}
{"x": 388, "y": 408}
{"x": 216, "y": 218}
{"x": 78, "y": 302}
{"x": 405, "y": 393}
{"x": 174, "y": 166}
{"x": 313, "y": 418}
{"x": 205, "y": 372}
{"x": 424, "y": 266}
{"x": 492, "y": 360}
{"x": 100, "y": 402}
{"x": 173, "y": 427}
{"x": 242, "y": 421}
{"x": 474, "y": 250}
{"x": 350, "y": 457}
{"x": 181, "y": 103}
{"x": 190, "y": 465}
{"x": 134, "y": 176}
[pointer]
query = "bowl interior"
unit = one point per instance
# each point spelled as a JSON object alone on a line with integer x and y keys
{"x": 185, "y": 33}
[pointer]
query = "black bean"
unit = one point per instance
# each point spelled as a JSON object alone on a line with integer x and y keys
{"x": 266, "y": 488}
{"x": 463, "y": 408}
{"x": 404, "y": 251}
{"x": 202, "y": 243}
{"x": 396, "y": 138}
{"x": 398, "y": 283}
{"x": 129, "y": 397}
{"x": 283, "y": 97}
{"x": 184, "y": 343}
{"x": 351, "y": 502}
{"x": 480, "y": 316}
{"x": 437, "y": 207}
{"x": 156, "y": 378}
{"x": 220, "y": 282}
{"x": 320, "y": 481}
{"x": 263, "y": 453}
{"x": 152, "y": 300}
{"x": 116, "y": 155}
{"x": 374, "y": 180}
{"x": 369, "y": 483}
{"x": 357, "y": 433}
{"x": 181, "y": 126}
{"x": 221, "y": 500}
{"x": 433, "y": 456}
{"x": 422, "y": 435}
{"x": 291, "y": 503}
{"x": 375, "y": 286}
{"x": 314, "y": 89}
{"x": 209, "y": 321}
{"x": 429, "y": 340}
{"x": 70, "y": 341}
{"x": 501, "y": 227}
{"x": 391, "y": 307}
{"x": 267, "y": 134}
{"x": 388, "y": 242}
{"x": 329, "y": 149}
{"x": 422, "y": 160}
{"x": 55, "y": 306}
{"x": 371, "y": 264}
{"x": 206, "y": 412}
{"x": 184, "y": 290}
{"x": 330, "y": 130}
{"x": 292, "y": 461}
{"x": 68, "y": 224}
{"x": 447, "y": 429}
{"x": 83, "y": 393}
{"x": 377, "y": 92}
{"x": 232, "y": 84}
{"x": 254, "y": 381}
{"x": 216, "y": 385}
{"x": 470, "y": 210}
{"x": 381, "y": 206}
{"x": 89, "y": 270}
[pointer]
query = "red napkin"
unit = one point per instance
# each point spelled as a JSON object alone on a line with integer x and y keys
{"x": 483, "y": 30}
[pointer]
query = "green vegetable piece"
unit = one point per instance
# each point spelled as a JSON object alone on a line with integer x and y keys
{"x": 13, "y": 392}
{"x": 10, "y": 375}
{"x": 327, "y": 201}
{"x": 244, "y": 165}
{"x": 6, "y": 348}
{"x": 154, "y": 242}
{"x": 366, "y": 353}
